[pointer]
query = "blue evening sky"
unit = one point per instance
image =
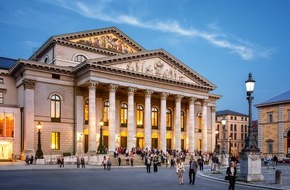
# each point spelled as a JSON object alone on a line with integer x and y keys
{"x": 221, "y": 40}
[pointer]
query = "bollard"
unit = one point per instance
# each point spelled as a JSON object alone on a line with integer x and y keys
{"x": 278, "y": 177}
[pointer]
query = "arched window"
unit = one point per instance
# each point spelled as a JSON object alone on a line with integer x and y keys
{"x": 55, "y": 106}
{"x": 106, "y": 113}
{"x": 140, "y": 116}
{"x": 182, "y": 125}
{"x": 46, "y": 59}
{"x": 86, "y": 111}
{"x": 124, "y": 115}
{"x": 80, "y": 58}
{"x": 154, "y": 118}
{"x": 168, "y": 119}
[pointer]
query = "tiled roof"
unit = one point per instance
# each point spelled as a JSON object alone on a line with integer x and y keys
{"x": 281, "y": 98}
{"x": 229, "y": 112}
{"x": 6, "y": 63}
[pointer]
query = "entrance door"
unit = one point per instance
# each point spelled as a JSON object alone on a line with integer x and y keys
{"x": 154, "y": 142}
{"x": 123, "y": 142}
{"x": 140, "y": 142}
{"x": 182, "y": 144}
{"x": 106, "y": 141}
{"x": 86, "y": 143}
{"x": 4, "y": 151}
{"x": 168, "y": 143}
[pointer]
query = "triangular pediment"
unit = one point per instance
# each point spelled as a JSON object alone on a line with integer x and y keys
{"x": 157, "y": 63}
{"x": 110, "y": 39}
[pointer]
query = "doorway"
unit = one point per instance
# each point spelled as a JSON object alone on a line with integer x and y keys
{"x": 154, "y": 143}
{"x": 123, "y": 141}
{"x": 140, "y": 142}
{"x": 5, "y": 150}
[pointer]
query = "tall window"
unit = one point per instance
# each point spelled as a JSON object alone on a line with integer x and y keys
{"x": 154, "y": 119}
{"x": 270, "y": 146}
{"x": 86, "y": 111}
{"x": 124, "y": 115}
{"x": 288, "y": 111}
{"x": 182, "y": 126}
{"x": 80, "y": 58}
{"x": 140, "y": 116}
{"x": 1, "y": 97}
{"x": 270, "y": 117}
{"x": 55, "y": 140}
{"x": 6, "y": 125}
{"x": 106, "y": 113}
{"x": 55, "y": 108}
{"x": 168, "y": 119}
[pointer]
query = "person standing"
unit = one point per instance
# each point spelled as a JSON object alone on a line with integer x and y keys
{"x": 148, "y": 163}
{"x": 179, "y": 171}
{"x": 201, "y": 163}
{"x": 155, "y": 163}
{"x": 192, "y": 170}
{"x": 78, "y": 162}
{"x": 119, "y": 161}
{"x": 83, "y": 162}
{"x": 109, "y": 164}
{"x": 232, "y": 173}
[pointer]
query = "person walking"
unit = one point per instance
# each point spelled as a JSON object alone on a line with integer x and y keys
{"x": 192, "y": 170}
{"x": 179, "y": 170}
{"x": 232, "y": 173}
{"x": 109, "y": 164}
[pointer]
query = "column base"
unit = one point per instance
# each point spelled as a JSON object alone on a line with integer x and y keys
{"x": 92, "y": 153}
{"x": 250, "y": 166}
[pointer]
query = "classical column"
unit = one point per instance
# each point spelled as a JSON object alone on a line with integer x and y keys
{"x": 147, "y": 119}
{"x": 92, "y": 117}
{"x": 163, "y": 122}
{"x": 112, "y": 117}
{"x": 79, "y": 121}
{"x": 29, "y": 124}
{"x": 204, "y": 126}
{"x": 191, "y": 126}
{"x": 213, "y": 128}
{"x": 131, "y": 119}
{"x": 177, "y": 129}
{"x": 280, "y": 131}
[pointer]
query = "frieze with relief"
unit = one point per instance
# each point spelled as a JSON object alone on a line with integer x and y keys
{"x": 107, "y": 41}
{"x": 156, "y": 67}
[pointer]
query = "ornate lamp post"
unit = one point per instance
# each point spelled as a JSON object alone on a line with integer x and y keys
{"x": 216, "y": 144}
{"x": 250, "y": 161}
{"x": 101, "y": 148}
{"x": 224, "y": 152}
{"x": 39, "y": 153}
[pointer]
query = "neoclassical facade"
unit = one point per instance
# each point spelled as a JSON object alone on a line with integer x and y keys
{"x": 145, "y": 98}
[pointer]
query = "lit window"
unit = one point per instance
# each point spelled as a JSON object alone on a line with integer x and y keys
{"x": 1, "y": 97}
{"x": 6, "y": 125}
{"x": 168, "y": 119}
{"x": 124, "y": 115}
{"x": 55, "y": 140}
{"x": 182, "y": 126}
{"x": 106, "y": 113}
{"x": 154, "y": 119}
{"x": 86, "y": 112}
{"x": 80, "y": 58}
{"x": 55, "y": 108}
{"x": 140, "y": 116}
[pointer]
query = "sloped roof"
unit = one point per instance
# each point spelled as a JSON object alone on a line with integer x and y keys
{"x": 6, "y": 63}
{"x": 229, "y": 112}
{"x": 279, "y": 99}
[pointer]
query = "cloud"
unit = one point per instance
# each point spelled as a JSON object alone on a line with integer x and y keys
{"x": 103, "y": 11}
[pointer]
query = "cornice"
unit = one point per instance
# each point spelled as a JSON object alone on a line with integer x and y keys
{"x": 272, "y": 104}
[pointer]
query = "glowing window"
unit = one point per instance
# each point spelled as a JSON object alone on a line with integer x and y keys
{"x": 124, "y": 114}
{"x": 140, "y": 116}
{"x": 55, "y": 140}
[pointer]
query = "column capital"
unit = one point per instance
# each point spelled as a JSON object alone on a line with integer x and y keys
{"x": 79, "y": 91}
{"x": 178, "y": 98}
{"x": 148, "y": 93}
{"x": 28, "y": 84}
{"x": 192, "y": 100}
{"x": 213, "y": 109}
{"x": 131, "y": 90}
{"x": 93, "y": 84}
{"x": 164, "y": 95}
{"x": 205, "y": 102}
{"x": 113, "y": 87}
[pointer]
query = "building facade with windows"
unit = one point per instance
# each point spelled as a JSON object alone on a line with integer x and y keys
{"x": 145, "y": 98}
{"x": 274, "y": 125}
{"x": 236, "y": 131}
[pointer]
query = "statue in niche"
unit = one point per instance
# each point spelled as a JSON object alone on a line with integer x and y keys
{"x": 170, "y": 73}
{"x": 130, "y": 66}
{"x": 139, "y": 66}
{"x": 165, "y": 74}
{"x": 149, "y": 70}
{"x": 158, "y": 67}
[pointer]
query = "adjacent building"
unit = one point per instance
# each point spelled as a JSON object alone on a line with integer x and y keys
{"x": 236, "y": 131}
{"x": 145, "y": 98}
{"x": 274, "y": 125}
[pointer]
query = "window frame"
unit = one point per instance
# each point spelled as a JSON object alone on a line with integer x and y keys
{"x": 55, "y": 140}
{"x": 55, "y": 108}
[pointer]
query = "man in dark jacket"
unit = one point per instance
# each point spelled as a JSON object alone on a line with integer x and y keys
{"x": 192, "y": 170}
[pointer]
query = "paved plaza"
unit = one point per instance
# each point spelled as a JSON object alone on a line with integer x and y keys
{"x": 19, "y": 176}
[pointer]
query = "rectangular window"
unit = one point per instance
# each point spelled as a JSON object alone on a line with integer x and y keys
{"x": 1, "y": 97}
{"x": 55, "y": 140}
{"x": 270, "y": 117}
{"x": 288, "y": 111}
{"x": 6, "y": 125}
{"x": 270, "y": 147}
{"x": 55, "y": 76}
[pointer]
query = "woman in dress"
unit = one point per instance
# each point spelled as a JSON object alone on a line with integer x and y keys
{"x": 179, "y": 171}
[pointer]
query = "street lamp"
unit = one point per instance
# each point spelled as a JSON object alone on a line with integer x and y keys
{"x": 39, "y": 153}
{"x": 224, "y": 122}
{"x": 251, "y": 143}
{"x": 230, "y": 146}
{"x": 101, "y": 148}
{"x": 216, "y": 137}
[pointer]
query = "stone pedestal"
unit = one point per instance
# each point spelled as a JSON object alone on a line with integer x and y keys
{"x": 224, "y": 159}
{"x": 97, "y": 159}
{"x": 250, "y": 166}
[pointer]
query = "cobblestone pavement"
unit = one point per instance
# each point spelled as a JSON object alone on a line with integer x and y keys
{"x": 267, "y": 171}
